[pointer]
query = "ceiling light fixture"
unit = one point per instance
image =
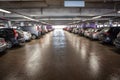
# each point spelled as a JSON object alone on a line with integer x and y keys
{"x": 96, "y": 17}
{"x": 74, "y": 3}
{"x": 5, "y": 11}
{"x": 29, "y": 18}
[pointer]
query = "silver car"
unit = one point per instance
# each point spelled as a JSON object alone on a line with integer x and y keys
{"x": 27, "y": 35}
{"x": 117, "y": 41}
{"x": 3, "y": 45}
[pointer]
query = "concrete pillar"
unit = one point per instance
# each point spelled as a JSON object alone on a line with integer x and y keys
{"x": 22, "y": 24}
{"x": 9, "y": 24}
{"x": 96, "y": 24}
{"x": 110, "y": 23}
{"x": 6, "y": 25}
{"x": 30, "y": 24}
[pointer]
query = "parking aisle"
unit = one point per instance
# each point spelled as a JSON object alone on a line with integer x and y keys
{"x": 60, "y": 55}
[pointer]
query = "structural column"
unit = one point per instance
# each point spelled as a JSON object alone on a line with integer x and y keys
{"x": 22, "y": 24}
{"x": 9, "y": 24}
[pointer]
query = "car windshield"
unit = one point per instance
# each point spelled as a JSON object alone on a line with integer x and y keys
{"x": 23, "y": 28}
{"x": 105, "y": 29}
{"x": 118, "y": 34}
{"x": 1, "y": 32}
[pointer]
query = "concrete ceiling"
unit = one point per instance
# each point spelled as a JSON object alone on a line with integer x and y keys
{"x": 54, "y": 12}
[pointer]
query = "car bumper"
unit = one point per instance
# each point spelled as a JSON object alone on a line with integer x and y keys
{"x": 105, "y": 39}
{"x": 21, "y": 41}
{"x": 117, "y": 43}
{"x": 3, "y": 48}
{"x": 94, "y": 36}
{"x": 27, "y": 38}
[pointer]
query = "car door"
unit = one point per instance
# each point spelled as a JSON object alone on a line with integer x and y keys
{"x": 2, "y": 33}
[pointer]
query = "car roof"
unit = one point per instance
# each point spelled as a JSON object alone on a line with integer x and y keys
{"x": 7, "y": 28}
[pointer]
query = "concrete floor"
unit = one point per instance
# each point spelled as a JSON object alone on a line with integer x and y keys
{"x": 61, "y": 56}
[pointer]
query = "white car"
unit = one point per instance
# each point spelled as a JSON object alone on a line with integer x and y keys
{"x": 27, "y": 36}
{"x": 76, "y": 30}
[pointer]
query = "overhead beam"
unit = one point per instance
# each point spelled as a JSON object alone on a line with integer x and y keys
{"x": 107, "y": 5}
{"x": 61, "y": 12}
{"x": 39, "y": 4}
{"x": 22, "y": 4}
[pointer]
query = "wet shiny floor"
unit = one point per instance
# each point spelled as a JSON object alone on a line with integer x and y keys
{"x": 61, "y": 55}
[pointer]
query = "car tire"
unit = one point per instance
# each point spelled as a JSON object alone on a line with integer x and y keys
{"x": 113, "y": 41}
{"x": 34, "y": 37}
{"x": 9, "y": 44}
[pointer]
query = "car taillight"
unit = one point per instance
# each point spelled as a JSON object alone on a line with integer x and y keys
{"x": 40, "y": 30}
{"x": 37, "y": 28}
{"x": 2, "y": 40}
{"x": 15, "y": 33}
{"x": 107, "y": 33}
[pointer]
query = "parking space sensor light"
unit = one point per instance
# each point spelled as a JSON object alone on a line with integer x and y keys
{"x": 5, "y": 11}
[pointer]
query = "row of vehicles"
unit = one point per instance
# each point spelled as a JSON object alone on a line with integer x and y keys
{"x": 109, "y": 35}
{"x": 10, "y": 37}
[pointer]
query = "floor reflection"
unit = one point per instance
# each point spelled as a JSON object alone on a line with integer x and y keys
{"x": 94, "y": 65}
{"x": 33, "y": 59}
{"x": 59, "y": 40}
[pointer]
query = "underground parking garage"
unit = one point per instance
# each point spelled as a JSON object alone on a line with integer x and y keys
{"x": 59, "y": 39}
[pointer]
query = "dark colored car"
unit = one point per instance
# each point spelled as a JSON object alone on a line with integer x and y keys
{"x": 34, "y": 30}
{"x": 109, "y": 34}
{"x": 12, "y": 37}
{"x": 117, "y": 41}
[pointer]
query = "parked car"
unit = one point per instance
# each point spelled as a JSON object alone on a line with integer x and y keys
{"x": 81, "y": 31}
{"x": 27, "y": 35}
{"x": 71, "y": 29}
{"x": 117, "y": 41}
{"x": 76, "y": 30}
{"x": 34, "y": 30}
{"x": 95, "y": 33}
{"x": 12, "y": 37}
{"x": 109, "y": 34}
{"x": 43, "y": 28}
{"x": 87, "y": 32}
{"x": 3, "y": 45}
{"x": 49, "y": 28}
{"x": 65, "y": 28}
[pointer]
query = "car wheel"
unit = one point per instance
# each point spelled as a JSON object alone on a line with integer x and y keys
{"x": 9, "y": 44}
{"x": 113, "y": 42}
{"x": 34, "y": 36}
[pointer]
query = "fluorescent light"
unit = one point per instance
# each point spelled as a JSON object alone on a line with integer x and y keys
{"x": 96, "y": 17}
{"x": 74, "y": 3}
{"x": 43, "y": 22}
{"x": 78, "y": 21}
{"x": 83, "y": 20}
{"x": 118, "y": 11}
{"x": 29, "y": 18}
{"x": 5, "y": 11}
